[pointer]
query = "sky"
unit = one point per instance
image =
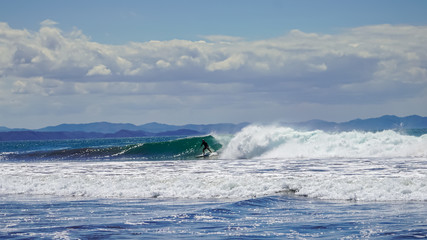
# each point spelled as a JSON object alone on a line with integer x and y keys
{"x": 189, "y": 61}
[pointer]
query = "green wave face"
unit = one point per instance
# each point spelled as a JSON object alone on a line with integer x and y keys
{"x": 185, "y": 148}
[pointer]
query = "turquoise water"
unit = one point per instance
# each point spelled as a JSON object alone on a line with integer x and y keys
{"x": 146, "y": 148}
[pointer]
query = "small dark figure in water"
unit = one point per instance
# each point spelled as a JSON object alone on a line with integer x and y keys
{"x": 206, "y": 146}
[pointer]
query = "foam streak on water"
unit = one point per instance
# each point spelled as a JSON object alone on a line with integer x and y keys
{"x": 368, "y": 179}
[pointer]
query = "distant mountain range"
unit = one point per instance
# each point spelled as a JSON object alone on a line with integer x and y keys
{"x": 106, "y": 127}
{"x": 370, "y": 124}
{"x": 37, "y": 135}
{"x": 114, "y": 130}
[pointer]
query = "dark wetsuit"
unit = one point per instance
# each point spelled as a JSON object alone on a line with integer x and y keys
{"x": 206, "y": 146}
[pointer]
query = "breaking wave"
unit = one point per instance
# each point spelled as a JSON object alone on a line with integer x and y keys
{"x": 286, "y": 143}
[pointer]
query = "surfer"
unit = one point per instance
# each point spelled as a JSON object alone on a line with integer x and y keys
{"x": 206, "y": 146}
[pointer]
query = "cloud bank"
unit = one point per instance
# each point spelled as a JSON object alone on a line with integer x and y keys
{"x": 360, "y": 71}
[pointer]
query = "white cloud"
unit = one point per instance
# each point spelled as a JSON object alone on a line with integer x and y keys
{"x": 222, "y": 38}
{"x": 39, "y": 86}
{"x": 162, "y": 64}
{"x": 366, "y": 65}
{"x": 318, "y": 67}
{"x": 231, "y": 63}
{"x": 48, "y": 22}
{"x": 99, "y": 70}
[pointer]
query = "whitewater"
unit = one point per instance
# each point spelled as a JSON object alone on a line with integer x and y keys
{"x": 266, "y": 182}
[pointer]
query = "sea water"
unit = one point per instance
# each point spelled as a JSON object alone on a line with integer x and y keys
{"x": 268, "y": 182}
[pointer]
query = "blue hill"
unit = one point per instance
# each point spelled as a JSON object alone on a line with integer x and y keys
{"x": 111, "y": 130}
{"x": 105, "y": 127}
{"x": 381, "y": 123}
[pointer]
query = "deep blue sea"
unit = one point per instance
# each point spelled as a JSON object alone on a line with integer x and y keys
{"x": 267, "y": 182}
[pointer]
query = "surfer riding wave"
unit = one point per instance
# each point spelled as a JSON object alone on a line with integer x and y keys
{"x": 206, "y": 146}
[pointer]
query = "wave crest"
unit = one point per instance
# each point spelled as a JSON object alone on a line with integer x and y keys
{"x": 258, "y": 141}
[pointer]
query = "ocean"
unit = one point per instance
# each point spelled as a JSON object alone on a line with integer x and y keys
{"x": 267, "y": 182}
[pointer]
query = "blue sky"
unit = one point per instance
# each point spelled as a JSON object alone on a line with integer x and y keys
{"x": 188, "y": 61}
{"x": 118, "y": 22}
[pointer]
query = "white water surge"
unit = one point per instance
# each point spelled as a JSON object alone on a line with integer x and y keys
{"x": 286, "y": 143}
{"x": 374, "y": 179}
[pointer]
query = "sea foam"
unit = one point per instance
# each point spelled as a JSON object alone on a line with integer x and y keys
{"x": 364, "y": 179}
{"x": 281, "y": 142}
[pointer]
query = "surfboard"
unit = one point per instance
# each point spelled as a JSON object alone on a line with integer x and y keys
{"x": 208, "y": 154}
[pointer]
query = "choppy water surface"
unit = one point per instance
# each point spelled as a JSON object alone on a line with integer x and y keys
{"x": 266, "y": 217}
